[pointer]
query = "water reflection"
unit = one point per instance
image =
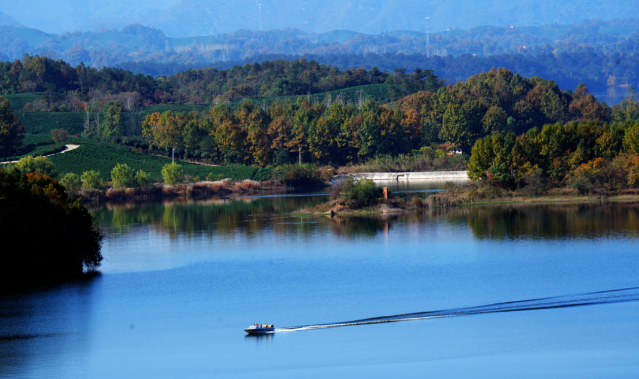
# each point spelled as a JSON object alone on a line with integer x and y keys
{"x": 251, "y": 216}
{"x": 189, "y": 217}
{"x": 548, "y": 221}
{"x": 259, "y": 339}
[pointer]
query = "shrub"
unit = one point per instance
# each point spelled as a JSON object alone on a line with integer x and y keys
{"x": 172, "y": 173}
{"x": 298, "y": 175}
{"x": 72, "y": 182}
{"x": 364, "y": 190}
{"x": 357, "y": 192}
{"x": 39, "y": 164}
{"x": 123, "y": 176}
{"x": 143, "y": 179}
{"x": 91, "y": 180}
{"x": 59, "y": 135}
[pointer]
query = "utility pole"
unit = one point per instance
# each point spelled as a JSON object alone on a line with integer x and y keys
{"x": 300, "y": 155}
{"x": 428, "y": 36}
{"x": 260, "y": 6}
{"x": 173, "y": 157}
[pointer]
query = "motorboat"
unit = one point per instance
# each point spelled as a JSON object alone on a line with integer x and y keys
{"x": 260, "y": 329}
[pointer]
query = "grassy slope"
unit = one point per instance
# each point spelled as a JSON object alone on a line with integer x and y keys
{"x": 103, "y": 158}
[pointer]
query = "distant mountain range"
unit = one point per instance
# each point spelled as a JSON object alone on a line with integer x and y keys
{"x": 187, "y": 18}
{"x": 5, "y": 19}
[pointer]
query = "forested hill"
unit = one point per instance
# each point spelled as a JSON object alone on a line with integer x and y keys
{"x": 68, "y": 88}
{"x": 594, "y": 51}
{"x": 140, "y": 43}
{"x": 567, "y": 69}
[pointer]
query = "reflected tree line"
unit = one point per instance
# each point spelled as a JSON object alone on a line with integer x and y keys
{"x": 251, "y": 216}
{"x": 563, "y": 221}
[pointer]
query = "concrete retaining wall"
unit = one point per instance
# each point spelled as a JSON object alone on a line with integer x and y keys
{"x": 405, "y": 176}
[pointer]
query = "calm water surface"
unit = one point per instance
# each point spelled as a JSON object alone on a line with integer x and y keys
{"x": 611, "y": 95}
{"x": 182, "y": 279}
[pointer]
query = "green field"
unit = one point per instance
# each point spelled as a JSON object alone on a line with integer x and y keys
{"x": 18, "y": 100}
{"x": 44, "y": 122}
{"x": 103, "y": 158}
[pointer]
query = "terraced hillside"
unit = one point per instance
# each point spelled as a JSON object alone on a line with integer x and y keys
{"x": 103, "y": 158}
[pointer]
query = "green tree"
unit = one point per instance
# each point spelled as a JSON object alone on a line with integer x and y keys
{"x": 172, "y": 173}
{"x": 10, "y": 130}
{"x": 495, "y": 121}
{"x": 39, "y": 164}
{"x": 71, "y": 182}
{"x": 482, "y": 157}
{"x": 91, "y": 180}
{"x": 628, "y": 110}
{"x": 123, "y": 176}
{"x": 631, "y": 138}
{"x": 112, "y": 119}
{"x": 143, "y": 179}
{"x": 461, "y": 124}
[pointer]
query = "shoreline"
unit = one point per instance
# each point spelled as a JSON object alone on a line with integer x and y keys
{"x": 198, "y": 191}
{"x": 542, "y": 200}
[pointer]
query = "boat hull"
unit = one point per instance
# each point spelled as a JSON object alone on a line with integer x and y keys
{"x": 260, "y": 330}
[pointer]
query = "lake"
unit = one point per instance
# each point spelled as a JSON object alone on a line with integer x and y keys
{"x": 611, "y": 95}
{"x": 181, "y": 279}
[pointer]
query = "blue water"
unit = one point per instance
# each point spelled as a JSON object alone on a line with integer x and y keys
{"x": 181, "y": 280}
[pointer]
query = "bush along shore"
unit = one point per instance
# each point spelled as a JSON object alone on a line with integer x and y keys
{"x": 128, "y": 184}
{"x": 197, "y": 190}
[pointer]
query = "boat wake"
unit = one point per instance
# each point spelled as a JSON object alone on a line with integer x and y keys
{"x": 576, "y": 300}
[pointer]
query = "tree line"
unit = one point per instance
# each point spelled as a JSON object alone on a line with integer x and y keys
{"x": 68, "y": 88}
{"x": 591, "y": 156}
{"x": 330, "y": 131}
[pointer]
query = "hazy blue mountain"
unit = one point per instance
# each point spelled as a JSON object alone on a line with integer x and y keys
{"x": 59, "y": 16}
{"x": 5, "y": 19}
{"x": 187, "y": 18}
{"x": 200, "y": 17}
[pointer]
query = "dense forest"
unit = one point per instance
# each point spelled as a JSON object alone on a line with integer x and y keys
{"x": 589, "y": 156}
{"x": 327, "y": 129}
{"x": 568, "y": 69}
{"x": 334, "y": 132}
